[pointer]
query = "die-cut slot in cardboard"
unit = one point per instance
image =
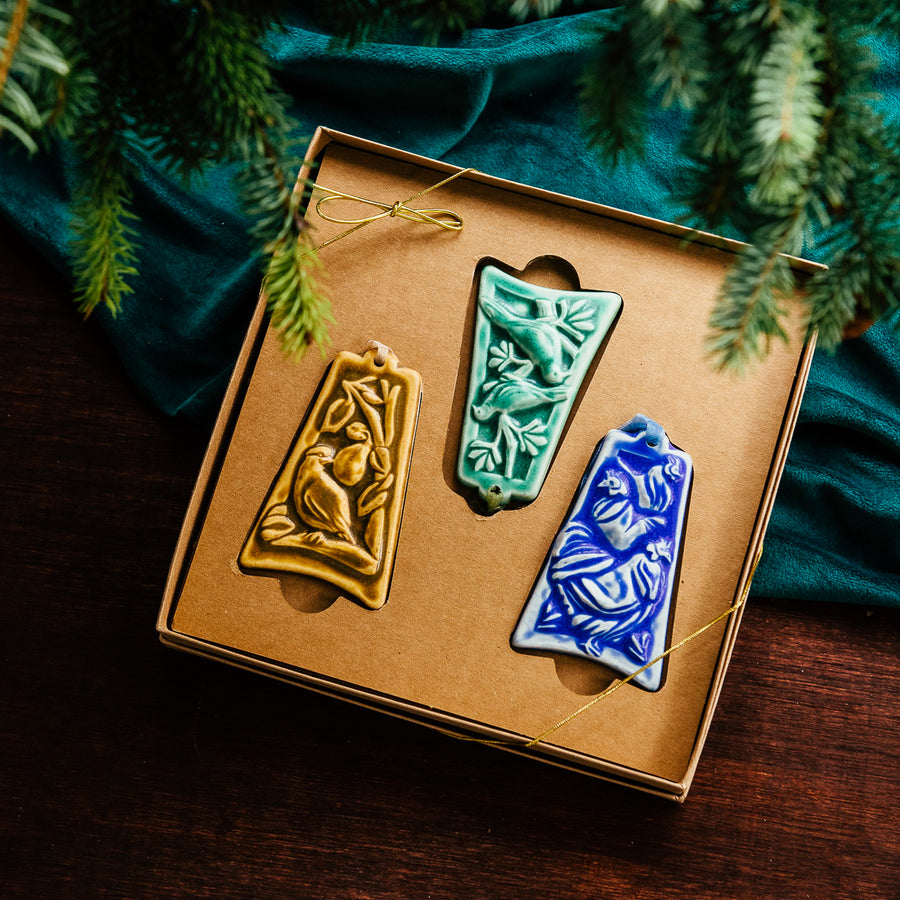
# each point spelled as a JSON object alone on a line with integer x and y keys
{"x": 544, "y": 271}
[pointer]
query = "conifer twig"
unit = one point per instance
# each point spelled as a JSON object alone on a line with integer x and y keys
{"x": 13, "y": 35}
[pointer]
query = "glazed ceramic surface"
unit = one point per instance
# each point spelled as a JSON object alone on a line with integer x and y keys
{"x": 532, "y": 348}
{"x": 333, "y": 511}
{"x": 607, "y": 589}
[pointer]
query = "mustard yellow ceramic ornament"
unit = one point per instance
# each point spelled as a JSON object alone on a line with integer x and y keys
{"x": 334, "y": 509}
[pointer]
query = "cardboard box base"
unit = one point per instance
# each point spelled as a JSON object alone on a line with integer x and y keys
{"x": 438, "y": 653}
{"x": 436, "y": 720}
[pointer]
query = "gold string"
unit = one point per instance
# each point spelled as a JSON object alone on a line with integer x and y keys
{"x": 443, "y": 218}
{"x": 532, "y": 742}
{"x": 451, "y": 221}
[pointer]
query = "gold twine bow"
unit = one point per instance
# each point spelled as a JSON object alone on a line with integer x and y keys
{"x": 443, "y": 218}
{"x": 619, "y": 682}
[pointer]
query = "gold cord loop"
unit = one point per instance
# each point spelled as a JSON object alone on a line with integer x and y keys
{"x": 443, "y": 218}
{"x": 532, "y": 742}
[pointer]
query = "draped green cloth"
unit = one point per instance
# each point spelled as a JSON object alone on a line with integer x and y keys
{"x": 505, "y": 102}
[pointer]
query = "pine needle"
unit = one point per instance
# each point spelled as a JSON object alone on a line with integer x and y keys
{"x": 11, "y": 42}
{"x": 298, "y": 308}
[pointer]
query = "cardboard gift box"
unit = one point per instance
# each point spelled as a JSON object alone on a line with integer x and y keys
{"x": 438, "y": 652}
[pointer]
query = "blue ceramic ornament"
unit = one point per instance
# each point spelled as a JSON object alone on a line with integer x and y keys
{"x": 607, "y": 589}
{"x": 532, "y": 348}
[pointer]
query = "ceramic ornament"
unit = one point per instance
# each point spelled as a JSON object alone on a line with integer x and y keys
{"x": 607, "y": 588}
{"x": 333, "y": 511}
{"x": 532, "y": 348}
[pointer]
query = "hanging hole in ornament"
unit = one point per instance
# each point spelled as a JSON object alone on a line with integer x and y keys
{"x": 380, "y": 353}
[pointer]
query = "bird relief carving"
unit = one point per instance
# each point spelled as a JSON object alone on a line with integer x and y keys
{"x": 532, "y": 349}
{"x": 607, "y": 589}
{"x": 334, "y": 509}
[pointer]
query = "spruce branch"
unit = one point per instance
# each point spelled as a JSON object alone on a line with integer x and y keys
{"x": 222, "y": 86}
{"x": 268, "y": 189}
{"x": 15, "y": 24}
{"x": 832, "y": 296}
{"x": 34, "y": 68}
{"x": 102, "y": 231}
{"x": 540, "y": 9}
{"x": 749, "y": 310}
{"x": 267, "y": 183}
{"x": 614, "y": 97}
{"x": 786, "y": 113}
{"x": 354, "y": 22}
{"x": 207, "y": 97}
{"x": 863, "y": 281}
{"x": 671, "y": 50}
{"x": 783, "y": 131}
{"x": 432, "y": 20}
{"x": 750, "y": 307}
{"x": 298, "y": 307}
{"x": 783, "y": 136}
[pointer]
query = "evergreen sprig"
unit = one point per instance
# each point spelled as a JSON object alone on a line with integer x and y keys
{"x": 187, "y": 82}
{"x": 750, "y": 308}
{"x": 103, "y": 236}
{"x": 43, "y": 87}
{"x": 539, "y": 9}
{"x": 298, "y": 307}
{"x": 784, "y": 145}
{"x": 785, "y": 114}
{"x": 864, "y": 277}
{"x": 615, "y": 121}
{"x": 668, "y": 39}
{"x": 221, "y": 104}
{"x": 355, "y": 22}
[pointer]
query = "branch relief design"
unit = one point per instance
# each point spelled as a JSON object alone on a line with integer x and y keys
{"x": 532, "y": 349}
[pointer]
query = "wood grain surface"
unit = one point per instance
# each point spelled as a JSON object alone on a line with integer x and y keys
{"x": 132, "y": 770}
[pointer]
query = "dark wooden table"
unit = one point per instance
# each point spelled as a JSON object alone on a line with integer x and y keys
{"x": 131, "y": 770}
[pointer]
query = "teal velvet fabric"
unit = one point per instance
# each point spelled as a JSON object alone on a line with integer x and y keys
{"x": 505, "y": 102}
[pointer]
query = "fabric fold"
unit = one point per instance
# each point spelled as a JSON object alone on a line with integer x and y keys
{"x": 504, "y": 101}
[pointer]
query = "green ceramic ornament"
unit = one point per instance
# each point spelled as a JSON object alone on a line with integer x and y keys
{"x": 532, "y": 349}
